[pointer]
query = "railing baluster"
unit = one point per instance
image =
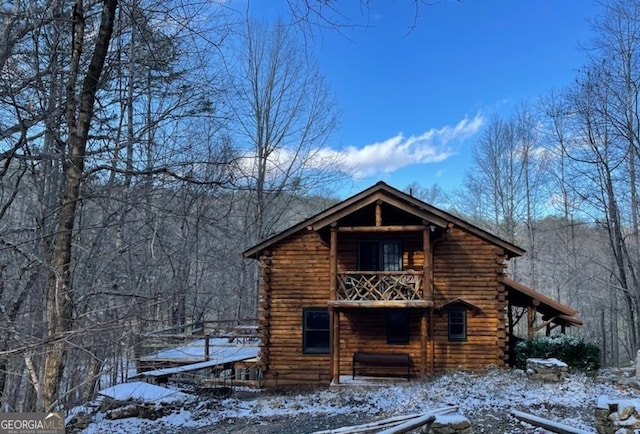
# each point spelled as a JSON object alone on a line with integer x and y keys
{"x": 379, "y": 286}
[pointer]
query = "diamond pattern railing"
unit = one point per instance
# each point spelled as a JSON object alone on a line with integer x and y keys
{"x": 379, "y": 286}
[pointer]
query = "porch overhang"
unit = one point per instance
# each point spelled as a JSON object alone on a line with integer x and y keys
{"x": 553, "y": 312}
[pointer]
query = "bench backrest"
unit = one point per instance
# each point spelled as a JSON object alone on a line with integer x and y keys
{"x": 388, "y": 359}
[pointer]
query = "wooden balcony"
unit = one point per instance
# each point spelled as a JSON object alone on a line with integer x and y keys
{"x": 373, "y": 288}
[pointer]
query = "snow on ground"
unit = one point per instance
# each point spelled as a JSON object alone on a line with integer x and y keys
{"x": 220, "y": 350}
{"x": 145, "y": 392}
{"x": 493, "y": 392}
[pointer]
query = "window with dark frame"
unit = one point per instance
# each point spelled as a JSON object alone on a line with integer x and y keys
{"x": 457, "y": 324}
{"x": 397, "y": 328}
{"x": 315, "y": 330}
{"x": 379, "y": 255}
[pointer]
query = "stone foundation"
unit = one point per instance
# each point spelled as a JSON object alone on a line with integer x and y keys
{"x": 449, "y": 424}
{"x": 619, "y": 416}
{"x": 552, "y": 370}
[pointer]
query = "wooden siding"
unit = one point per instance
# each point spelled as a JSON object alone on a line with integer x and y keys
{"x": 298, "y": 278}
{"x": 296, "y": 274}
{"x": 365, "y": 330}
{"x": 467, "y": 268}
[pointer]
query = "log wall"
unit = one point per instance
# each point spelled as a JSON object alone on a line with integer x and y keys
{"x": 295, "y": 274}
{"x": 298, "y": 278}
{"x": 365, "y": 330}
{"x": 468, "y": 268}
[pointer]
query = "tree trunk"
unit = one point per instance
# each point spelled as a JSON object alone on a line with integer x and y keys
{"x": 59, "y": 294}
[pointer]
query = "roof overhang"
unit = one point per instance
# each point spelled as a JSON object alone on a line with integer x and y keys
{"x": 459, "y": 303}
{"x": 551, "y": 310}
{"x": 383, "y": 192}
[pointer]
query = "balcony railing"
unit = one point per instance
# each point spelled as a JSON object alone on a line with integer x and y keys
{"x": 379, "y": 286}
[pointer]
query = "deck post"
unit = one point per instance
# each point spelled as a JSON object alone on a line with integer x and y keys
{"x": 333, "y": 264}
{"x": 334, "y": 314}
{"x": 531, "y": 319}
{"x": 423, "y": 344}
{"x": 335, "y": 345}
{"x": 206, "y": 347}
{"x": 427, "y": 293}
{"x": 432, "y": 354}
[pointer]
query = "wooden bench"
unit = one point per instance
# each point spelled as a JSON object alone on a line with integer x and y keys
{"x": 384, "y": 361}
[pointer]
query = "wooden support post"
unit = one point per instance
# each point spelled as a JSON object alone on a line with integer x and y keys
{"x": 432, "y": 354}
{"x": 206, "y": 347}
{"x": 334, "y": 315}
{"x": 427, "y": 288}
{"x": 379, "y": 213}
{"x": 423, "y": 345}
{"x": 331, "y": 350}
{"x": 335, "y": 346}
{"x": 510, "y": 318}
{"x": 333, "y": 264}
{"x": 531, "y": 319}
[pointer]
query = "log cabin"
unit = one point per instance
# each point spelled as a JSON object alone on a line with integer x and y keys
{"x": 385, "y": 284}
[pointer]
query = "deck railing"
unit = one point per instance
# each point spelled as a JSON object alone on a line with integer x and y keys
{"x": 379, "y": 286}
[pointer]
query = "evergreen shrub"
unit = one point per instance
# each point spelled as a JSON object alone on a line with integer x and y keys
{"x": 575, "y": 352}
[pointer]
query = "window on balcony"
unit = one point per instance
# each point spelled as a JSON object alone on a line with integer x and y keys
{"x": 379, "y": 255}
{"x": 397, "y": 328}
{"x": 315, "y": 330}
{"x": 457, "y": 324}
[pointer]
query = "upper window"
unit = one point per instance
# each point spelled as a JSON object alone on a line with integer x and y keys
{"x": 379, "y": 255}
{"x": 397, "y": 327}
{"x": 457, "y": 324}
{"x": 315, "y": 330}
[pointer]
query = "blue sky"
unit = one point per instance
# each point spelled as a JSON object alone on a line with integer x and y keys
{"x": 414, "y": 101}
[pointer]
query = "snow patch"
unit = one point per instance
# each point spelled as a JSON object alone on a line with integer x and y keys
{"x": 145, "y": 392}
{"x": 496, "y": 391}
{"x": 551, "y": 362}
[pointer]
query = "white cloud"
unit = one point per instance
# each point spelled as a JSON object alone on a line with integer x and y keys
{"x": 375, "y": 159}
{"x": 387, "y": 156}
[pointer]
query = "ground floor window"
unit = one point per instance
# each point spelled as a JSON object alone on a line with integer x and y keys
{"x": 457, "y": 325}
{"x": 315, "y": 330}
{"x": 397, "y": 327}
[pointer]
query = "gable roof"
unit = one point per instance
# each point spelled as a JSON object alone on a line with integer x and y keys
{"x": 459, "y": 302}
{"x": 383, "y": 192}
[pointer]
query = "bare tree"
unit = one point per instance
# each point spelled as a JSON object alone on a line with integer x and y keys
{"x": 79, "y": 110}
{"x": 285, "y": 115}
{"x": 74, "y": 170}
{"x": 599, "y": 157}
{"x": 598, "y": 164}
{"x": 434, "y": 195}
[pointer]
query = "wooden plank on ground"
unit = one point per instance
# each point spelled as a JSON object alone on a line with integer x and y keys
{"x": 550, "y": 425}
{"x": 392, "y": 425}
